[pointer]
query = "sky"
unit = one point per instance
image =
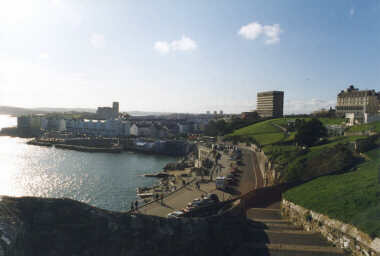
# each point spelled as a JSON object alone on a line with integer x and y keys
{"x": 186, "y": 56}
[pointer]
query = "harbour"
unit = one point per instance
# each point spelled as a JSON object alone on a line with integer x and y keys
{"x": 108, "y": 181}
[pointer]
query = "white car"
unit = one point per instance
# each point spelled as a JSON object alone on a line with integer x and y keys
{"x": 175, "y": 214}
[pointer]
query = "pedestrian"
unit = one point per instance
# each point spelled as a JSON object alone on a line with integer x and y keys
{"x": 162, "y": 198}
{"x": 183, "y": 182}
{"x": 132, "y": 208}
{"x": 136, "y": 205}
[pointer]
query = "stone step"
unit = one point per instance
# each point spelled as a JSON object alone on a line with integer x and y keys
{"x": 286, "y": 250}
{"x": 291, "y": 237}
{"x": 273, "y": 221}
{"x": 274, "y": 225}
{"x": 263, "y": 213}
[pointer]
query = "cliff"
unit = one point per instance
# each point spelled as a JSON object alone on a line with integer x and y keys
{"x": 36, "y": 226}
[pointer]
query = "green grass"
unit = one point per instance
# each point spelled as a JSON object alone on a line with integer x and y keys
{"x": 258, "y": 128}
{"x": 330, "y": 121}
{"x": 264, "y": 132}
{"x": 375, "y": 126}
{"x": 352, "y": 197}
{"x": 332, "y": 141}
{"x": 267, "y": 132}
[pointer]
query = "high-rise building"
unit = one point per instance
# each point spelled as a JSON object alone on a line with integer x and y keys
{"x": 270, "y": 104}
{"x": 115, "y": 108}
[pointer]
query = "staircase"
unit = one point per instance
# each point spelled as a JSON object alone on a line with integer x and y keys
{"x": 271, "y": 234}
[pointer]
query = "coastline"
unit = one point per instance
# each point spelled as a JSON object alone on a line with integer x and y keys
{"x": 116, "y": 149}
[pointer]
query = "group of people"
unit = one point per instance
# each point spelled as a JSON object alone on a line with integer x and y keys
{"x": 134, "y": 205}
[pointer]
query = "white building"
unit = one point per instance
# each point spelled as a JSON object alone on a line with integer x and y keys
{"x": 134, "y": 130}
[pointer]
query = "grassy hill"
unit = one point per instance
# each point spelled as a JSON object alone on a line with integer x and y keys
{"x": 353, "y": 197}
{"x": 375, "y": 126}
{"x": 263, "y": 132}
{"x": 294, "y": 163}
{"x": 272, "y": 131}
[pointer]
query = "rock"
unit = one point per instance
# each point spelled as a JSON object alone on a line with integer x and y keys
{"x": 40, "y": 227}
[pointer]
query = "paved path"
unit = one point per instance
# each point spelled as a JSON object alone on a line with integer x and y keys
{"x": 180, "y": 198}
{"x": 250, "y": 179}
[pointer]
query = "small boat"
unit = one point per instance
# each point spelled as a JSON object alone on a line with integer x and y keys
{"x": 145, "y": 195}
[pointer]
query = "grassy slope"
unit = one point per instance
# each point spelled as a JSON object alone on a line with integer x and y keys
{"x": 264, "y": 132}
{"x": 267, "y": 132}
{"x": 375, "y": 126}
{"x": 351, "y": 197}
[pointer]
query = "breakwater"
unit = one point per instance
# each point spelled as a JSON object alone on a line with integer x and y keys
{"x": 84, "y": 145}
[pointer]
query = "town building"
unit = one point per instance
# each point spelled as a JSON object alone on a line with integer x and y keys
{"x": 107, "y": 113}
{"x": 270, "y": 104}
{"x": 359, "y": 106}
{"x": 29, "y": 125}
{"x": 104, "y": 113}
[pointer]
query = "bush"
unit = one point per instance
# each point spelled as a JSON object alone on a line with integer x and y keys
{"x": 330, "y": 160}
{"x": 309, "y": 133}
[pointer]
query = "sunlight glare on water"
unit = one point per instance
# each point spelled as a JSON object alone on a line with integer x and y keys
{"x": 105, "y": 180}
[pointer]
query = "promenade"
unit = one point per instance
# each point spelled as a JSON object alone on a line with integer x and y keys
{"x": 179, "y": 199}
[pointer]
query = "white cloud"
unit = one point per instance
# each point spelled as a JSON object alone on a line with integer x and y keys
{"x": 306, "y": 106}
{"x": 254, "y": 30}
{"x": 273, "y": 33}
{"x": 183, "y": 44}
{"x": 44, "y": 56}
{"x": 352, "y": 12}
{"x": 97, "y": 40}
{"x": 251, "y": 31}
{"x": 162, "y": 47}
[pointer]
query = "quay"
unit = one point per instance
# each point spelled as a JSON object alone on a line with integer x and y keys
{"x": 178, "y": 199}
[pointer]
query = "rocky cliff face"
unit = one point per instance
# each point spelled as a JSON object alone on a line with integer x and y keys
{"x": 36, "y": 226}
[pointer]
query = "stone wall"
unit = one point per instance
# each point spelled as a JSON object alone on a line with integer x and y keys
{"x": 42, "y": 226}
{"x": 342, "y": 235}
{"x": 269, "y": 174}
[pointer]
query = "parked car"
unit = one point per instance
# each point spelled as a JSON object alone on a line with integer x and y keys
{"x": 176, "y": 214}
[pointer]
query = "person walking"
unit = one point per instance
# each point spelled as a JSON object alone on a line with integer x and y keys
{"x": 162, "y": 198}
{"x": 132, "y": 208}
{"x": 136, "y": 205}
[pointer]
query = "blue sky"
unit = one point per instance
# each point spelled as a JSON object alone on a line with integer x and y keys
{"x": 185, "y": 56}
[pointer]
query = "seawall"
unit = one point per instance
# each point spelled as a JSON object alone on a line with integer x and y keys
{"x": 42, "y": 226}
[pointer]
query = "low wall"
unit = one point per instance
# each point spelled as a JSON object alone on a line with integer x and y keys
{"x": 342, "y": 235}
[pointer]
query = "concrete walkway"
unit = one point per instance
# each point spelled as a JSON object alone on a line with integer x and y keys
{"x": 179, "y": 199}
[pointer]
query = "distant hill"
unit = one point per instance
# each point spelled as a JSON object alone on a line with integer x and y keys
{"x": 8, "y": 110}
{"x": 60, "y": 110}
{"x": 5, "y": 110}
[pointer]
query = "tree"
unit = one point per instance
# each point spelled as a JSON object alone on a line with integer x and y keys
{"x": 310, "y": 132}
